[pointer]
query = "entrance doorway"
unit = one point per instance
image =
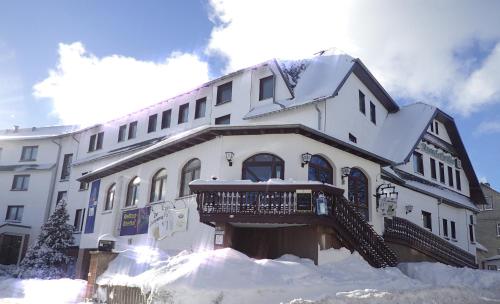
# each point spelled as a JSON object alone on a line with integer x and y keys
{"x": 10, "y": 247}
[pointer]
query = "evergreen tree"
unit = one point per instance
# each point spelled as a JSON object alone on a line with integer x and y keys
{"x": 47, "y": 259}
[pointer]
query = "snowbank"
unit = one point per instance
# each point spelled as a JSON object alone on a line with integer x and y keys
{"x": 41, "y": 291}
{"x": 227, "y": 276}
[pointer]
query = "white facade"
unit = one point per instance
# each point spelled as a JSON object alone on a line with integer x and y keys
{"x": 337, "y": 115}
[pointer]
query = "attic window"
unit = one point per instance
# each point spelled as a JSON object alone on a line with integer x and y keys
{"x": 436, "y": 127}
{"x": 266, "y": 88}
{"x": 362, "y": 106}
{"x": 353, "y": 138}
{"x": 224, "y": 93}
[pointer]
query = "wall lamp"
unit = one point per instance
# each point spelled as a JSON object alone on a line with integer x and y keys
{"x": 306, "y": 158}
{"x": 408, "y": 208}
{"x": 345, "y": 173}
{"x": 229, "y": 158}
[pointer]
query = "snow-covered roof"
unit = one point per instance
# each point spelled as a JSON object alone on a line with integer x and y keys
{"x": 493, "y": 258}
{"x": 36, "y": 132}
{"x": 449, "y": 196}
{"x": 480, "y": 247}
{"x": 402, "y": 130}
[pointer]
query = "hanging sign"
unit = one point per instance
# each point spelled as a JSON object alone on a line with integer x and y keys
{"x": 164, "y": 222}
{"x": 135, "y": 221}
{"x": 94, "y": 194}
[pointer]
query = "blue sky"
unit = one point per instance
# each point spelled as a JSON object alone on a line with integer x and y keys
{"x": 60, "y": 60}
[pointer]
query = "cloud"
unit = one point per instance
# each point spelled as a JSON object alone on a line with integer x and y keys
{"x": 440, "y": 52}
{"x": 86, "y": 89}
{"x": 488, "y": 127}
{"x": 483, "y": 180}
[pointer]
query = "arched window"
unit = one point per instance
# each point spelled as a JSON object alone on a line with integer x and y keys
{"x": 133, "y": 192}
{"x": 320, "y": 170}
{"x": 262, "y": 167}
{"x": 110, "y": 197}
{"x": 158, "y": 186}
{"x": 190, "y": 172}
{"x": 358, "y": 191}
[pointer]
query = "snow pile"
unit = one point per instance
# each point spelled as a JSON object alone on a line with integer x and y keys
{"x": 228, "y": 276}
{"x": 41, "y": 291}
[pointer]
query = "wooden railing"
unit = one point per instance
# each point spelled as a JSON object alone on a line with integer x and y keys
{"x": 285, "y": 203}
{"x": 404, "y": 232}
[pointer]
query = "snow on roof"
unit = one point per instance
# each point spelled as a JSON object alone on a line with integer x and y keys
{"x": 319, "y": 79}
{"x": 493, "y": 258}
{"x": 402, "y": 130}
{"x": 480, "y": 247}
{"x": 36, "y": 132}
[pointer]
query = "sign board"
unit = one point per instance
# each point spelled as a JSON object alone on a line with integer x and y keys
{"x": 304, "y": 200}
{"x": 135, "y": 221}
{"x": 164, "y": 222}
{"x": 94, "y": 195}
{"x": 437, "y": 154}
{"x": 388, "y": 206}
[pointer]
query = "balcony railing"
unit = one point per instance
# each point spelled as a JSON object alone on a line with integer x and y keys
{"x": 292, "y": 203}
{"x": 402, "y": 231}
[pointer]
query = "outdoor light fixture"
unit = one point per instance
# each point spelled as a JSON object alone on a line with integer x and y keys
{"x": 345, "y": 173}
{"x": 306, "y": 158}
{"x": 229, "y": 158}
{"x": 408, "y": 208}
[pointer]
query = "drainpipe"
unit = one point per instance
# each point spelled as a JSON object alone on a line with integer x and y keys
{"x": 78, "y": 146}
{"x": 52, "y": 182}
{"x": 319, "y": 115}
{"x": 439, "y": 218}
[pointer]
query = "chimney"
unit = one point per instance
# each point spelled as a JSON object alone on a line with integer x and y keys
{"x": 16, "y": 128}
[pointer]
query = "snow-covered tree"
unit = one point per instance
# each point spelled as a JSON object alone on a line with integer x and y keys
{"x": 48, "y": 258}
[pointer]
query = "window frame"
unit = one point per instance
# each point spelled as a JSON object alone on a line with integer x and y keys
{"x": 373, "y": 113}
{"x": 79, "y": 219}
{"x": 166, "y": 119}
{"x": 99, "y": 141}
{"x": 24, "y": 183}
{"x": 110, "y": 197}
{"x": 273, "y": 164}
{"x": 458, "y": 181}
{"x": 362, "y": 102}
{"x": 160, "y": 180}
{"x": 357, "y": 184}
{"x": 220, "y": 89}
{"x": 353, "y": 138}
{"x": 442, "y": 176}
{"x": 445, "y": 228}
{"x": 432, "y": 163}
{"x": 132, "y": 130}
{"x": 152, "y": 123}
{"x": 17, "y": 218}
{"x": 33, "y": 153}
{"x": 122, "y": 133}
{"x": 132, "y": 198}
{"x": 318, "y": 170}
{"x": 183, "y": 108}
{"x": 66, "y": 166}
{"x": 418, "y": 163}
{"x": 453, "y": 230}
{"x": 92, "y": 142}
{"x": 450, "y": 176}
{"x": 428, "y": 216}
{"x": 61, "y": 195}
{"x": 195, "y": 173}
{"x": 261, "y": 87}
{"x": 198, "y": 106}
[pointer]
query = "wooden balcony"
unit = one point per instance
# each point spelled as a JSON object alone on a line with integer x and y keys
{"x": 404, "y": 232}
{"x": 291, "y": 203}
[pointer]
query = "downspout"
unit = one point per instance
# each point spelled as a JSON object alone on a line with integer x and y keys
{"x": 319, "y": 115}
{"x": 52, "y": 182}
{"x": 78, "y": 146}
{"x": 439, "y": 217}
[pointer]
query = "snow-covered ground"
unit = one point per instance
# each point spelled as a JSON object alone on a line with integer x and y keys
{"x": 227, "y": 276}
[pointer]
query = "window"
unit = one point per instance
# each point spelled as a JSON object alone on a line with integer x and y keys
{"x": 83, "y": 185}
{"x": 492, "y": 267}
{"x": 190, "y": 172}
{"x": 152, "y": 123}
{"x": 158, "y": 186}
{"x": 450, "y": 176}
{"x": 445, "y": 228}
{"x": 133, "y": 192}
{"x": 436, "y": 127}
{"x": 122, "y": 133}
{"x": 453, "y": 230}
{"x": 62, "y": 196}
{"x": 418, "y": 163}
{"x": 132, "y": 130}
{"x": 183, "y": 113}
{"x": 224, "y": 93}
{"x": 78, "y": 223}
{"x": 353, "y": 138}
{"x": 20, "y": 182}
{"x": 165, "y": 119}
{"x": 457, "y": 177}
{"x": 432, "y": 126}
{"x": 223, "y": 120}
{"x": 66, "y": 167}
{"x": 433, "y": 168}
{"x": 95, "y": 142}
{"x": 362, "y": 105}
{"x": 498, "y": 229}
{"x": 100, "y": 139}
{"x": 110, "y": 198}
{"x": 489, "y": 203}
{"x": 427, "y": 220}
{"x": 200, "y": 108}
{"x": 471, "y": 233}
{"x": 357, "y": 191}
{"x": 14, "y": 213}
{"x": 266, "y": 88}
{"x": 262, "y": 167}
{"x": 29, "y": 153}
{"x": 320, "y": 170}
{"x": 441, "y": 173}
{"x": 373, "y": 113}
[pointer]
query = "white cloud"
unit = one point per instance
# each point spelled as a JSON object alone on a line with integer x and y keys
{"x": 488, "y": 127}
{"x": 423, "y": 50}
{"x": 86, "y": 89}
{"x": 483, "y": 180}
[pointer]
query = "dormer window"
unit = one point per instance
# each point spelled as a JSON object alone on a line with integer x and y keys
{"x": 224, "y": 93}
{"x": 183, "y": 113}
{"x": 266, "y": 88}
{"x": 418, "y": 163}
{"x": 95, "y": 142}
